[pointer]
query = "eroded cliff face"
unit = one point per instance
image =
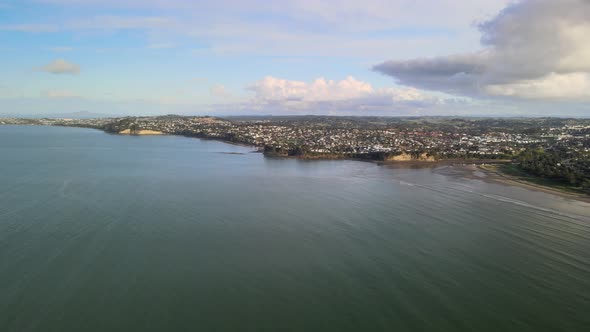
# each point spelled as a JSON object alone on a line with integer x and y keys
{"x": 140, "y": 132}
{"x": 408, "y": 157}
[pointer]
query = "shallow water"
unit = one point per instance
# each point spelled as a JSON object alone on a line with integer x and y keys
{"x": 102, "y": 232}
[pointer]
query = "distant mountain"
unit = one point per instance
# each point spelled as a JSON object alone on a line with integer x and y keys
{"x": 73, "y": 115}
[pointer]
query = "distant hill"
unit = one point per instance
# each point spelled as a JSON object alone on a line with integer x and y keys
{"x": 72, "y": 115}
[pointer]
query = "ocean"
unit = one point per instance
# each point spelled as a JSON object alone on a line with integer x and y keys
{"x": 103, "y": 232}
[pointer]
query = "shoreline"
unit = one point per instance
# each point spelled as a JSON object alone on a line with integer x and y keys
{"x": 244, "y": 145}
{"x": 497, "y": 176}
{"x": 445, "y": 162}
{"x": 468, "y": 165}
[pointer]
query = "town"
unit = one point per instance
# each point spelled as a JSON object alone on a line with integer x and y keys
{"x": 441, "y": 137}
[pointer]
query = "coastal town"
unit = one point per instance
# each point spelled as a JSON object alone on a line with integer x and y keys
{"x": 567, "y": 141}
{"x": 437, "y": 137}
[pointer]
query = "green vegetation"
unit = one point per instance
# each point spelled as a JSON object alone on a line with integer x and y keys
{"x": 118, "y": 125}
{"x": 555, "y": 167}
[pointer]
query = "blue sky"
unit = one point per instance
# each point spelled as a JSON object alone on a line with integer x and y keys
{"x": 381, "y": 57}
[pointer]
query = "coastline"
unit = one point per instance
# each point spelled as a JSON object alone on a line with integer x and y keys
{"x": 445, "y": 162}
{"x": 487, "y": 166}
{"x": 494, "y": 175}
{"x": 245, "y": 145}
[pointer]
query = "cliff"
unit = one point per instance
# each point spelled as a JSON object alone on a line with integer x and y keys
{"x": 410, "y": 157}
{"x": 140, "y": 132}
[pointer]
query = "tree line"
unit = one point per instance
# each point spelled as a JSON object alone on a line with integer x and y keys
{"x": 559, "y": 164}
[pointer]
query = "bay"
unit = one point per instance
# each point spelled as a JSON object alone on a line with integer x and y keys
{"x": 104, "y": 232}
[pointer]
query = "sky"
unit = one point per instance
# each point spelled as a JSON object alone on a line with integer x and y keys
{"x": 329, "y": 57}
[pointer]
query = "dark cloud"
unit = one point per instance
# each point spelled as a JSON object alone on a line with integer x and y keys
{"x": 452, "y": 74}
{"x": 532, "y": 49}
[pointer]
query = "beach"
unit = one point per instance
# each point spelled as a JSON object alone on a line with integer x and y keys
{"x": 491, "y": 173}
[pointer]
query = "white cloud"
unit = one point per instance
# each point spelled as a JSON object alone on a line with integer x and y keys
{"x": 219, "y": 91}
{"x": 60, "y": 94}
{"x": 61, "y": 49}
{"x": 322, "y": 95}
{"x": 299, "y": 27}
{"x": 552, "y": 86}
{"x": 105, "y": 22}
{"x": 36, "y": 28}
{"x": 160, "y": 46}
{"x": 534, "y": 49}
{"x": 344, "y": 14}
{"x": 198, "y": 80}
{"x": 321, "y": 89}
{"x": 113, "y": 22}
{"x": 61, "y": 66}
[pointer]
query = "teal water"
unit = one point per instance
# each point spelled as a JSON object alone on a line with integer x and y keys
{"x": 113, "y": 233}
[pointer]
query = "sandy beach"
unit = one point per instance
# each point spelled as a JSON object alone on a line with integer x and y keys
{"x": 490, "y": 173}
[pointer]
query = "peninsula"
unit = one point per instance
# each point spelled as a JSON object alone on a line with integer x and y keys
{"x": 554, "y": 149}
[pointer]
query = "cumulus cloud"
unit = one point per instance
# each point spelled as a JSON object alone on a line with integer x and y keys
{"x": 532, "y": 49}
{"x": 322, "y": 96}
{"x": 321, "y": 89}
{"x": 61, "y": 66}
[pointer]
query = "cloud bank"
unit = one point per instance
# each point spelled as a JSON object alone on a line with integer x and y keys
{"x": 533, "y": 49}
{"x": 323, "y": 96}
{"x": 276, "y": 89}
